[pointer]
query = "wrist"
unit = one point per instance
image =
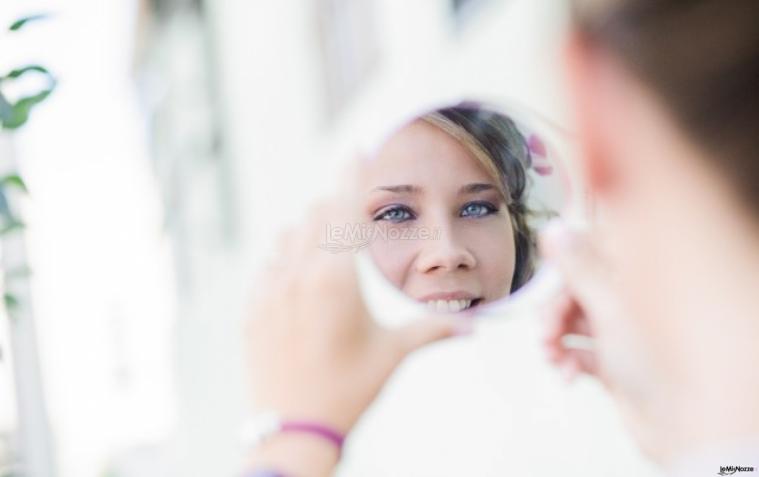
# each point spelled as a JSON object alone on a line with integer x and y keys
{"x": 296, "y": 455}
{"x": 294, "y": 448}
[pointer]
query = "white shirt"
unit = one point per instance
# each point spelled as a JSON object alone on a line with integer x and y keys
{"x": 740, "y": 460}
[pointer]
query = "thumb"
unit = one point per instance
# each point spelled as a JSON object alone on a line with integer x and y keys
{"x": 429, "y": 330}
{"x": 578, "y": 261}
{"x": 350, "y": 186}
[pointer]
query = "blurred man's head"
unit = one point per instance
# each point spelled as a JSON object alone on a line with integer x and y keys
{"x": 665, "y": 98}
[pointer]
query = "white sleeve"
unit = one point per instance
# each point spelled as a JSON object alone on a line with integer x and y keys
{"x": 737, "y": 460}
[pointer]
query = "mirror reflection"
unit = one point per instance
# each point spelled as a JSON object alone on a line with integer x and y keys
{"x": 454, "y": 202}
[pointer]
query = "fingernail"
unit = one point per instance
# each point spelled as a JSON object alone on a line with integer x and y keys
{"x": 568, "y": 373}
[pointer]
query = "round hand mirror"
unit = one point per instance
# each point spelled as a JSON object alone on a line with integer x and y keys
{"x": 452, "y": 200}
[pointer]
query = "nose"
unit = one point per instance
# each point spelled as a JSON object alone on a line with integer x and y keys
{"x": 444, "y": 252}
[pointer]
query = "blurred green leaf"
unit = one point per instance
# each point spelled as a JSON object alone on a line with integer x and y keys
{"x": 5, "y": 209}
{"x": 6, "y": 108}
{"x": 14, "y": 180}
{"x": 13, "y": 226}
{"x": 13, "y": 116}
{"x": 18, "y": 72}
{"x": 18, "y": 24}
{"x": 18, "y": 272}
{"x": 11, "y": 302}
{"x": 20, "y": 111}
{"x": 9, "y": 222}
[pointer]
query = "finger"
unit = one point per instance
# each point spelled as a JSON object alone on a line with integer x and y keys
{"x": 555, "y": 325}
{"x": 430, "y": 330}
{"x": 573, "y": 321}
{"x": 310, "y": 234}
{"x": 584, "y": 361}
{"x": 279, "y": 271}
{"x": 554, "y": 316}
{"x": 577, "y": 260}
{"x": 567, "y": 320}
{"x": 569, "y": 371}
{"x": 336, "y": 222}
{"x": 351, "y": 189}
{"x": 326, "y": 215}
{"x": 280, "y": 258}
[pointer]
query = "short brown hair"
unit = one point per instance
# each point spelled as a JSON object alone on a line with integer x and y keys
{"x": 701, "y": 57}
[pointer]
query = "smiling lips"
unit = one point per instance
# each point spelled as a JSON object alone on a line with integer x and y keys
{"x": 450, "y": 302}
{"x": 449, "y": 306}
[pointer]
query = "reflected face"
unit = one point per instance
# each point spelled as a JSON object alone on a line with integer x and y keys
{"x": 445, "y": 235}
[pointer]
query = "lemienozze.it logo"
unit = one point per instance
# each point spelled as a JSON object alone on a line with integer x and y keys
{"x": 732, "y": 469}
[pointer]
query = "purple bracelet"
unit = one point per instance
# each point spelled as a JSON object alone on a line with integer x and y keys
{"x": 315, "y": 429}
{"x": 264, "y": 473}
{"x": 268, "y": 424}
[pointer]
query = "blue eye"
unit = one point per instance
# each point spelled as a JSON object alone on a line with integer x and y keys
{"x": 395, "y": 214}
{"x": 478, "y": 209}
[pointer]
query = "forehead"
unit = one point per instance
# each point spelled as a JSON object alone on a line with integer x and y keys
{"x": 419, "y": 153}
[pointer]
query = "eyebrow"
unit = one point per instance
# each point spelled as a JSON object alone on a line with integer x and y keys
{"x": 477, "y": 187}
{"x": 399, "y": 189}
{"x": 412, "y": 189}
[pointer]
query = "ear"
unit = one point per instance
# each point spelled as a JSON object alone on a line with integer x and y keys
{"x": 591, "y": 113}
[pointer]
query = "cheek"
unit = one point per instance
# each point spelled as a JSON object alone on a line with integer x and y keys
{"x": 393, "y": 258}
{"x": 493, "y": 245}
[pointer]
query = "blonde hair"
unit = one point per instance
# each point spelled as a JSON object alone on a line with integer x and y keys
{"x": 496, "y": 143}
{"x": 472, "y": 145}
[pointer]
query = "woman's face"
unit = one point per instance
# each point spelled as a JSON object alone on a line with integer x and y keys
{"x": 444, "y": 231}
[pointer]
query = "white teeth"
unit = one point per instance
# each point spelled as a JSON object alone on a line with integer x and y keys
{"x": 449, "y": 306}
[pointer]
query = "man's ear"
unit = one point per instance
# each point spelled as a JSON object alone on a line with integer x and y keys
{"x": 591, "y": 115}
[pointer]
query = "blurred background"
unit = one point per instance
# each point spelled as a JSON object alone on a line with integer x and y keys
{"x": 141, "y": 196}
